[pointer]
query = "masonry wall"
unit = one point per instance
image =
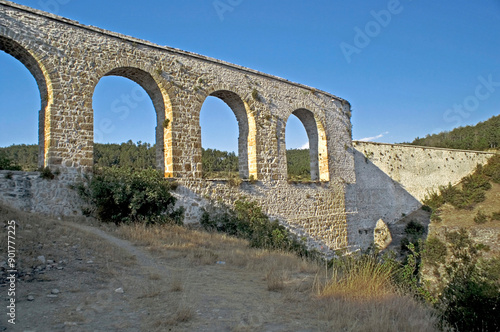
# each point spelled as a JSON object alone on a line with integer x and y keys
{"x": 418, "y": 169}
{"x": 68, "y": 59}
{"x": 393, "y": 179}
{"x": 27, "y": 191}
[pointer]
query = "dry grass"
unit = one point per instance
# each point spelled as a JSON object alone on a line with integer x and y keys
{"x": 176, "y": 285}
{"x": 340, "y": 303}
{"x": 359, "y": 278}
{"x": 388, "y": 314}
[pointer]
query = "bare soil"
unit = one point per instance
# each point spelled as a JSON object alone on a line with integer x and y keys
{"x": 92, "y": 279}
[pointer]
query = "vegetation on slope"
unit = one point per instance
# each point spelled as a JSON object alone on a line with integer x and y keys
{"x": 471, "y": 190}
{"x": 483, "y": 136}
{"x": 123, "y": 195}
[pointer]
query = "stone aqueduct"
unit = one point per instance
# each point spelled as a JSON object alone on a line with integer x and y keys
{"x": 67, "y": 60}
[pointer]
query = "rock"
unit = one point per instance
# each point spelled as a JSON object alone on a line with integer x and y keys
{"x": 90, "y": 261}
{"x": 55, "y": 291}
{"x": 50, "y": 261}
{"x": 31, "y": 298}
{"x": 381, "y": 235}
{"x": 41, "y": 259}
{"x": 119, "y": 290}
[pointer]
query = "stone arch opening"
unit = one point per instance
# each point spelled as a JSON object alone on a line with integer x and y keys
{"x": 126, "y": 103}
{"x": 318, "y": 151}
{"x": 28, "y": 59}
{"x": 246, "y": 132}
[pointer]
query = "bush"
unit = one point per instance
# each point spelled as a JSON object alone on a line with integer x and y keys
{"x": 414, "y": 232}
{"x": 495, "y": 216}
{"x": 246, "y": 220}
{"x": 471, "y": 299}
{"x": 480, "y": 218}
{"x": 122, "y": 195}
{"x": 434, "y": 252}
{"x": 46, "y": 173}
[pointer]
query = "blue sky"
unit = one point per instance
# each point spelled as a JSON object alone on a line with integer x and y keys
{"x": 408, "y": 68}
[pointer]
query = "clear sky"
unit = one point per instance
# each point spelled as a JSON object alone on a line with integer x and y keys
{"x": 408, "y": 68}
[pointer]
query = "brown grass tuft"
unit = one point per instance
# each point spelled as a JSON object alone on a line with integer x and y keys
{"x": 360, "y": 278}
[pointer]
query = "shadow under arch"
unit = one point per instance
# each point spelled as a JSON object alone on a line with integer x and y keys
{"x": 163, "y": 108}
{"x": 36, "y": 68}
{"x": 318, "y": 149}
{"x": 247, "y": 150}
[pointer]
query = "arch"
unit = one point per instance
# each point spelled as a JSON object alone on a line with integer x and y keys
{"x": 163, "y": 108}
{"x": 247, "y": 151}
{"x": 318, "y": 149}
{"x": 35, "y": 67}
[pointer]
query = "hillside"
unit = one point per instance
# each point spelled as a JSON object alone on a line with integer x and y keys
{"x": 481, "y": 137}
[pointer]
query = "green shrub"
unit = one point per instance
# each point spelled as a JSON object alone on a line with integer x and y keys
{"x": 246, "y": 220}
{"x": 426, "y": 208}
{"x": 435, "y": 217}
{"x": 46, "y": 173}
{"x": 495, "y": 216}
{"x": 434, "y": 252}
{"x": 414, "y": 228}
{"x": 473, "y": 190}
{"x": 492, "y": 168}
{"x": 414, "y": 232}
{"x": 471, "y": 299}
{"x": 122, "y": 195}
{"x": 480, "y": 217}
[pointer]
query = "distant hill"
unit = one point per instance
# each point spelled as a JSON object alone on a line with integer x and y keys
{"x": 483, "y": 136}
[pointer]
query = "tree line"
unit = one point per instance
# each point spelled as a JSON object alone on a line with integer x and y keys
{"x": 483, "y": 136}
{"x": 143, "y": 155}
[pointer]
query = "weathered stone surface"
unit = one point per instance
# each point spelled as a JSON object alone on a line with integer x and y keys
{"x": 381, "y": 235}
{"x": 392, "y": 180}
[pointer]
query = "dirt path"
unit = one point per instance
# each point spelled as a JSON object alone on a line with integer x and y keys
{"x": 108, "y": 284}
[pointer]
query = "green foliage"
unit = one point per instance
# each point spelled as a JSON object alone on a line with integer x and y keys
{"x": 414, "y": 232}
{"x": 495, "y": 216}
{"x": 128, "y": 155}
{"x": 473, "y": 188}
{"x": 299, "y": 164}
{"x": 426, "y": 208}
{"x": 46, "y": 173}
{"x": 255, "y": 95}
{"x": 434, "y": 252}
{"x": 19, "y": 158}
{"x": 219, "y": 164}
{"x": 483, "y": 136}
{"x": 480, "y": 217}
{"x": 471, "y": 299}
{"x": 123, "y": 195}
{"x": 246, "y": 220}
